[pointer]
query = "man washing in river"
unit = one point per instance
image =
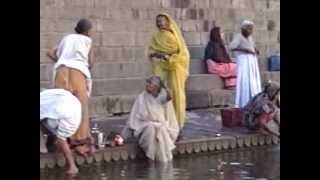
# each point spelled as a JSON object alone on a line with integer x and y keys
{"x": 60, "y": 117}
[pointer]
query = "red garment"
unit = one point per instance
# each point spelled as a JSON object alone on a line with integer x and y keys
{"x": 227, "y": 71}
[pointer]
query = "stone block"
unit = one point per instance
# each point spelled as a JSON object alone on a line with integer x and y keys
{"x": 225, "y": 18}
{"x": 223, "y": 4}
{"x": 203, "y": 3}
{"x": 196, "y": 52}
{"x": 221, "y": 97}
{"x": 143, "y": 38}
{"x": 274, "y": 5}
{"x": 190, "y": 25}
{"x": 273, "y": 76}
{"x": 192, "y": 38}
{"x": 114, "y": 26}
{"x": 201, "y": 82}
{"x": 179, "y": 3}
{"x": 120, "y": 70}
{"x": 142, "y": 26}
{"x": 118, "y": 39}
{"x": 109, "y": 54}
{"x": 108, "y": 105}
{"x": 197, "y": 99}
{"x": 49, "y": 40}
{"x": 260, "y": 5}
{"x": 197, "y": 66}
{"x": 204, "y": 36}
{"x": 273, "y": 36}
{"x": 46, "y": 72}
{"x": 117, "y": 86}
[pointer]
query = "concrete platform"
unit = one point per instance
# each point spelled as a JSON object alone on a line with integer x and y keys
{"x": 199, "y": 136}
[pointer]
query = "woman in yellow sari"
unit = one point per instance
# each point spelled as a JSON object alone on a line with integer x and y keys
{"x": 170, "y": 60}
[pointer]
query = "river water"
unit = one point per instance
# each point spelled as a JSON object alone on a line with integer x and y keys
{"x": 262, "y": 163}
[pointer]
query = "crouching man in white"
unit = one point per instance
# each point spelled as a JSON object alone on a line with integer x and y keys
{"x": 152, "y": 120}
{"x": 60, "y": 116}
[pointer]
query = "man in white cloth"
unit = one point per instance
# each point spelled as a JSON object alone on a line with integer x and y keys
{"x": 60, "y": 116}
{"x": 248, "y": 75}
{"x": 152, "y": 120}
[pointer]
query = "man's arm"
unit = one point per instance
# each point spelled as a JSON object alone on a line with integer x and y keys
{"x": 52, "y": 54}
{"x": 91, "y": 59}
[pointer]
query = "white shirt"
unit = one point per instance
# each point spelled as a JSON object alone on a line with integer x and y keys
{"x": 239, "y": 41}
{"x": 73, "y": 52}
{"x": 63, "y": 111}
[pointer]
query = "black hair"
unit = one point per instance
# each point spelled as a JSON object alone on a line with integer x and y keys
{"x": 83, "y": 26}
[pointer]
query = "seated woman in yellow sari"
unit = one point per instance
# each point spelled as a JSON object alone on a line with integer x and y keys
{"x": 170, "y": 60}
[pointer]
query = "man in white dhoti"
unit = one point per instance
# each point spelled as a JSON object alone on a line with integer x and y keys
{"x": 248, "y": 74}
{"x": 60, "y": 117}
{"x": 152, "y": 120}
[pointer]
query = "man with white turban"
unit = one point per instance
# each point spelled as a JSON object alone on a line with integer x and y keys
{"x": 248, "y": 73}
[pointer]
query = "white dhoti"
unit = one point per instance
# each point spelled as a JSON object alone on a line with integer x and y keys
{"x": 248, "y": 79}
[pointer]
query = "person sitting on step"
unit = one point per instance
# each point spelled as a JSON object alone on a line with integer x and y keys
{"x": 218, "y": 61}
{"x": 152, "y": 120}
{"x": 60, "y": 117}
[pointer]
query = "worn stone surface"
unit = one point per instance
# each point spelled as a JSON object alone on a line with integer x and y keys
{"x": 198, "y": 135}
{"x": 123, "y": 29}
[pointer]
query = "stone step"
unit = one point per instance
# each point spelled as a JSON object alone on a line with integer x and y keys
{"x": 134, "y": 85}
{"x": 110, "y": 105}
{"x": 106, "y": 70}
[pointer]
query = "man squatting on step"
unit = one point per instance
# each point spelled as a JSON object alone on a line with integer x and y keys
{"x": 60, "y": 117}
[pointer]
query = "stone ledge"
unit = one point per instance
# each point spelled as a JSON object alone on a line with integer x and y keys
{"x": 132, "y": 151}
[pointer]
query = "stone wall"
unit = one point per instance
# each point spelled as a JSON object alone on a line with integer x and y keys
{"x": 123, "y": 28}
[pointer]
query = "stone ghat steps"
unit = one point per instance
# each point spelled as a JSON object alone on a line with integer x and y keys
{"x": 134, "y": 85}
{"x": 203, "y": 91}
{"x": 131, "y": 151}
{"x": 114, "y": 70}
{"x": 110, "y": 105}
{"x": 116, "y": 96}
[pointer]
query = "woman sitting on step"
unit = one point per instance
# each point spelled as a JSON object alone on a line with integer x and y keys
{"x": 152, "y": 120}
{"x": 218, "y": 61}
{"x": 262, "y": 113}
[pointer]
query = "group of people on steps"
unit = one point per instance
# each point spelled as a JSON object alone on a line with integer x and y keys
{"x": 159, "y": 112}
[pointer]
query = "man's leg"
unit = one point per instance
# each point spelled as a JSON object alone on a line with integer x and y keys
{"x": 64, "y": 146}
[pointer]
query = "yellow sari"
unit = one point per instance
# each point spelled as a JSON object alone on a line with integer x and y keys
{"x": 175, "y": 70}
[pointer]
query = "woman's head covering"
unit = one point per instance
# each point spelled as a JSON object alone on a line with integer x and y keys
{"x": 215, "y": 35}
{"x": 272, "y": 88}
{"x": 246, "y": 23}
{"x": 183, "y": 49}
{"x": 216, "y": 49}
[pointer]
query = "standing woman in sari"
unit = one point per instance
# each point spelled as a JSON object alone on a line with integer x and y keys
{"x": 248, "y": 74}
{"x": 73, "y": 59}
{"x": 170, "y": 61}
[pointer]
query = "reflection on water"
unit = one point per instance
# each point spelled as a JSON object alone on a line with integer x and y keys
{"x": 258, "y": 164}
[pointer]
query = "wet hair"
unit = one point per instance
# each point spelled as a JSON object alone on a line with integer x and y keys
{"x": 83, "y": 26}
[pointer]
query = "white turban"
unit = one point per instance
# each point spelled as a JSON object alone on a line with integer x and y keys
{"x": 246, "y": 23}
